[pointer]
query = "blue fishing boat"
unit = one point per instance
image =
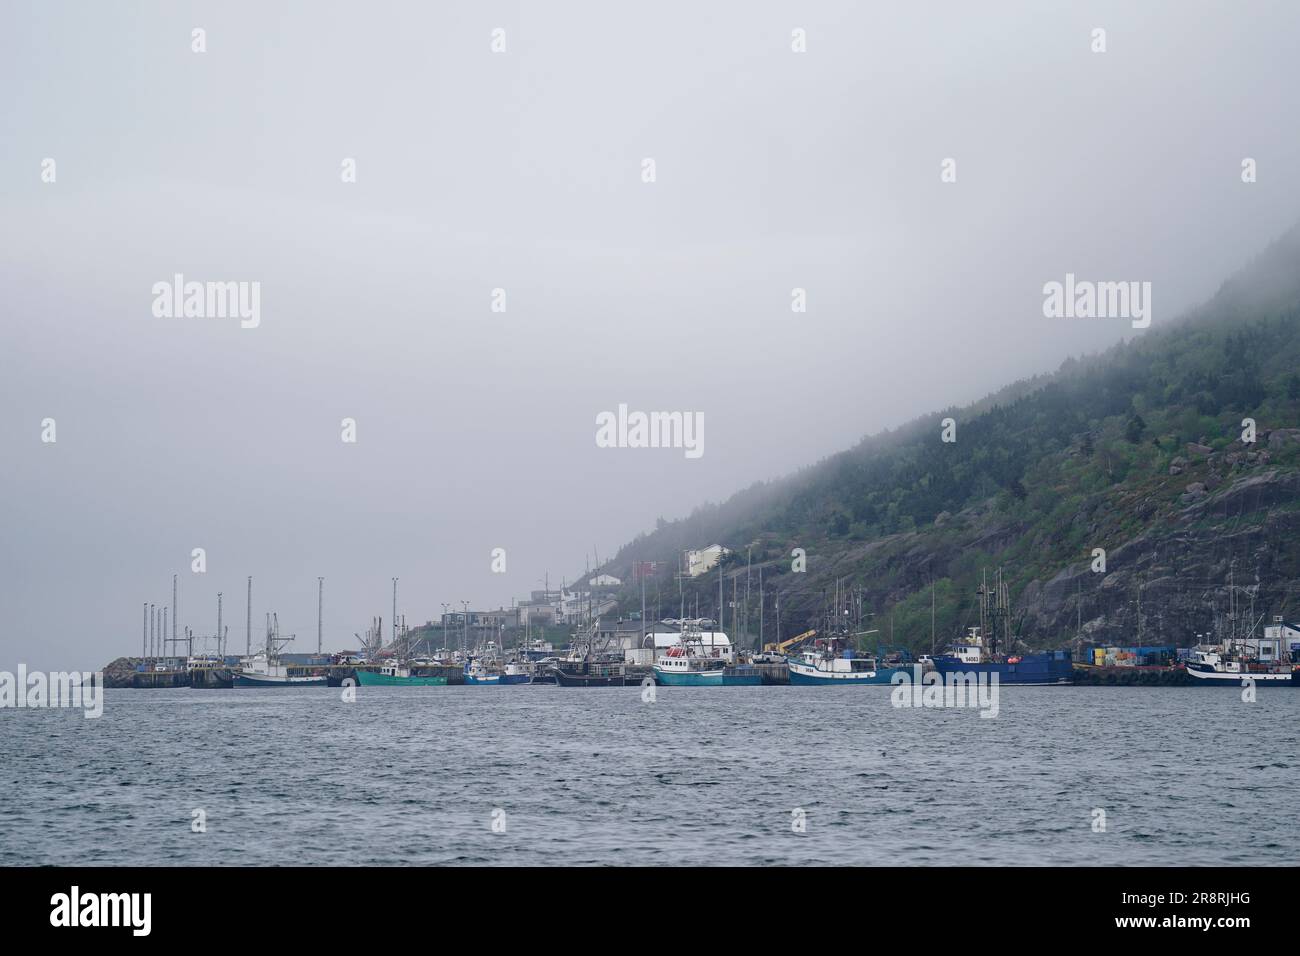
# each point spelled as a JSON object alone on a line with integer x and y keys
{"x": 1049, "y": 667}
{"x": 518, "y": 672}
{"x": 980, "y": 657}
{"x": 476, "y": 672}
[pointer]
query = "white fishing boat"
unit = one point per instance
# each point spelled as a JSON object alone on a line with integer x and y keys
{"x": 265, "y": 669}
{"x": 1232, "y": 669}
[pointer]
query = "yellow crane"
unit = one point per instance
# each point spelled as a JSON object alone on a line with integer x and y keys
{"x": 785, "y": 646}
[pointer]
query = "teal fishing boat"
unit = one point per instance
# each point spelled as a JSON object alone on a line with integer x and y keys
{"x": 394, "y": 676}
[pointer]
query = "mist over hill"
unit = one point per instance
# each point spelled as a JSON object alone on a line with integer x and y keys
{"x": 1137, "y": 451}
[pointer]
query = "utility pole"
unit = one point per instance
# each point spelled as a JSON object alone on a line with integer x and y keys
{"x": 144, "y": 634}
{"x": 394, "y": 611}
{"x": 219, "y": 622}
{"x": 749, "y": 561}
{"x": 720, "y": 613}
{"x": 174, "y": 614}
{"x": 320, "y": 613}
{"x": 153, "y": 628}
{"x": 248, "y": 633}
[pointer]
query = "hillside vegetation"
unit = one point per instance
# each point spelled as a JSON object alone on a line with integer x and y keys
{"x": 1137, "y": 451}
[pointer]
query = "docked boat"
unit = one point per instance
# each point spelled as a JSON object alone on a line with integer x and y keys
{"x": 678, "y": 666}
{"x": 830, "y": 663}
{"x": 741, "y": 675}
{"x": 591, "y": 672}
{"x": 393, "y": 675}
{"x": 1231, "y": 669}
{"x": 278, "y": 676}
{"x": 978, "y": 654}
{"x": 517, "y": 672}
{"x": 536, "y": 649}
{"x": 265, "y": 669}
{"x": 972, "y": 656}
{"x": 476, "y": 672}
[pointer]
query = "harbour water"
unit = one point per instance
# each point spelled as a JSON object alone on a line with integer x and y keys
{"x": 699, "y": 776}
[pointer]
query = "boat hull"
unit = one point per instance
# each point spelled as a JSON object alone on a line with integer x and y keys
{"x": 490, "y": 680}
{"x": 371, "y": 679}
{"x": 269, "y": 680}
{"x": 804, "y": 675}
{"x": 1049, "y": 669}
{"x": 688, "y": 678}
{"x": 589, "y": 680}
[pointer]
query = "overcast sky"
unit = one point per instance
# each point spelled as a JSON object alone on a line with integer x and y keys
{"x": 522, "y": 170}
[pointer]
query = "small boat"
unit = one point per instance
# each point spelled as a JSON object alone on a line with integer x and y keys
{"x": 593, "y": 672}
{"x": 518, "y": 672}
{"x": 394, "y": 676}
{"x": 476, "y": 672}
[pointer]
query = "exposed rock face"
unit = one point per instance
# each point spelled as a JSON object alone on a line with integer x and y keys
{"x": 121, "y": 672}
{"x": 1183, "y": 570}
{"x": 1246, "y": 529}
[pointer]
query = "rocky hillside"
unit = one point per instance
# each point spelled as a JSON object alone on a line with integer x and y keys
{"x": 1144, "y": 452}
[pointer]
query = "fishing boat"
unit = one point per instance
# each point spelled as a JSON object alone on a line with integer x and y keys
{"x": 393, "y": 675}
{"x": 677, "y": 666}
{"x": 536, "y": 649}
{"x": 266, "y": 669}
{"x": 1231, "y": 669}
{"x": 589, "y": 666}
{"x": 591, "y": 672}
{"x": 829, "y": 662}
{"x": 517, "y": 672}
{"x": 255, "y": 672}
{"x": 476, "y": 672}
{"x": 977, "y": 654}
{"x": 1046, "y": 668}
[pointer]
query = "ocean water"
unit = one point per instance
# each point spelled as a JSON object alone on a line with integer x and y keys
{"x": 699, "y": 776}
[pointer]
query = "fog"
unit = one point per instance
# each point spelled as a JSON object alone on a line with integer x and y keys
{"x": 523, "y": 171}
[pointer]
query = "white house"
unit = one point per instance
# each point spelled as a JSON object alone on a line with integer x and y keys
{"x": 605, "y": 581}
{"x": 1287, "y": 635}
{"x": 704, "y": 560}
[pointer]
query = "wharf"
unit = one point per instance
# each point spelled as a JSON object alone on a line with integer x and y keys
{"x": 1091, "y": 675}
